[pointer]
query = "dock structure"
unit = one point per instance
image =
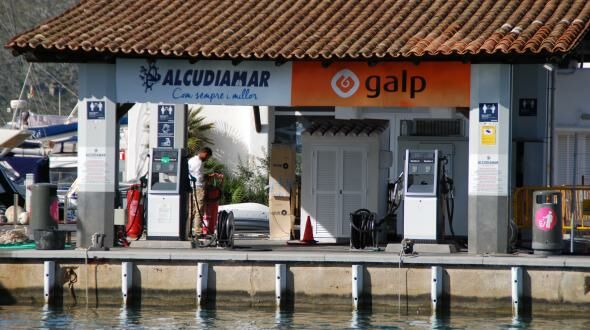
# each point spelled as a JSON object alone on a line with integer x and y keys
{"x": 289, "y": 278}
{"x": 474, "y": 89}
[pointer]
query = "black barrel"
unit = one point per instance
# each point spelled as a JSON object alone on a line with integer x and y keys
{"x": 547, "y": 219}
{"x": 44, "y": 207}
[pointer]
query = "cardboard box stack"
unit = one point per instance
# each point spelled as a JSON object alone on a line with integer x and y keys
{"x": 281, "y": 183}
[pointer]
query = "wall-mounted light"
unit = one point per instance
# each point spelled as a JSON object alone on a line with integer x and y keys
{"x": 548, "y": 67}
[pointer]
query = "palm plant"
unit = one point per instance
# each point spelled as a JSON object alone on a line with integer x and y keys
{"x": 198, "y": 130}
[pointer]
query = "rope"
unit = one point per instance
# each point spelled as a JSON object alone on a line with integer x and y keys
{"x": 86, "y": 272}
{"x": 70, "y": 277}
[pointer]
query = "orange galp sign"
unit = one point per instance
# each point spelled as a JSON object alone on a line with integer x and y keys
{"x": 386, "y": 84}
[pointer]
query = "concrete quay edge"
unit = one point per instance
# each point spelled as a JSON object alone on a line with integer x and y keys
{"x": 303, "y": 257}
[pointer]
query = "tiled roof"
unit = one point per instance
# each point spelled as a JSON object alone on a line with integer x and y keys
{"x": 339, "y": 127}
{"x": 311, "y": 29}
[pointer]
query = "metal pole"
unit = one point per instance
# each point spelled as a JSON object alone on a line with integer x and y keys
{"x": 574, "y": 175}
{"x": 14, "y": 210}
{"x": 59, "y": 100}
{"x": 517, "y": 283}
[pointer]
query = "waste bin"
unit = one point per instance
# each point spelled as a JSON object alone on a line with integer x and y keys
{"x": 547, "y": 219}
{"x": 44, "y": 207}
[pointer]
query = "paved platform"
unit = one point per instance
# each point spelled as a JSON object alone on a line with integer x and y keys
{"x": 276, "y": 251}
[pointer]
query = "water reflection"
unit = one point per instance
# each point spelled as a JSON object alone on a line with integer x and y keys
{"x": 26, "y": 317}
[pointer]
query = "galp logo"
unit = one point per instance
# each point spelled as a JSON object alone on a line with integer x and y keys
{"x": 345, "y": 83}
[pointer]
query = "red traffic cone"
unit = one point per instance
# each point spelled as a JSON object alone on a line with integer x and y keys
{"x": 307, "y": 235}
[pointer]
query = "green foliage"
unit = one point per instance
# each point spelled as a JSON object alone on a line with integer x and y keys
{"x": 198, "y": 130}
{"x": 248, "y": 183}
{"x": 238, "y": 195}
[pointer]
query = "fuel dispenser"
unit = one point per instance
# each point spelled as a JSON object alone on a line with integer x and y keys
{"x": 428, "y": 196}
{"x": 167, "y": 195}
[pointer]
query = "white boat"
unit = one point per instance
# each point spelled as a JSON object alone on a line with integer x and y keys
{"x": 249, "y": 217}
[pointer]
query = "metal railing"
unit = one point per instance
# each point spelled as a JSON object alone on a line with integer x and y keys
{"x": 522, "y": 203}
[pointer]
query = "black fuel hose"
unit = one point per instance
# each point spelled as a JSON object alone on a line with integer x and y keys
{"x": 225, "y": 229}
{"x": 363, "y": 229}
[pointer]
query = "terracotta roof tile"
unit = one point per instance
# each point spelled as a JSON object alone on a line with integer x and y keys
{"x": 311, "y": 29}
{"x": 340, "y": 127}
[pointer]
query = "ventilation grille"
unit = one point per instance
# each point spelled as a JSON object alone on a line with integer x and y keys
{"x": 432, "y": 127}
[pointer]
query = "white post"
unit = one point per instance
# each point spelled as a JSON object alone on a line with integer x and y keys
{"x": 489, "y": 158}
{"x": 202, "y": 277}
{"x": 516, "y": 290}
{"x": 48, "y": 281}
{"x": 29, "y": 181}
{"x": 436, "y": 287}
{"x": 126, "y": 280}
{"x": 98, "y": 152}
{"x": 280, "y": 283}
{"x": 357, "y": 284}
{"x": 574, "y": 203}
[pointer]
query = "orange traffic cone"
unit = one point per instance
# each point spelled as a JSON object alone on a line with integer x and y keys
{"x": 307, "y": 235}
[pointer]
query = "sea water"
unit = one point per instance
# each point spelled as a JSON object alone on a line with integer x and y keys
{"x": 30, "y": 317}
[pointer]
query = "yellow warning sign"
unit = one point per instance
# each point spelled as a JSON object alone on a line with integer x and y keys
{"x": 488, "y": 135}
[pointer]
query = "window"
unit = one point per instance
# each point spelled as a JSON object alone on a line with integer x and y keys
{"x": 565, "y": 148}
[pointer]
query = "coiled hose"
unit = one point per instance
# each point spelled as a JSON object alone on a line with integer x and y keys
{"x": 363, "y": 229}
{"x": 225, "y": 229}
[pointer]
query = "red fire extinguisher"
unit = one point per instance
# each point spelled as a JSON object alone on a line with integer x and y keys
{"x": 134, "y": 226}
{"x": 212, "y": 196}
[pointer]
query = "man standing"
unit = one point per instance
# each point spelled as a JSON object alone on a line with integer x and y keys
{"x": 196, "y": 169}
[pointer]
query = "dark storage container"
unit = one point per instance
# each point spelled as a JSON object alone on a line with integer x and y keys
{"x": 50, "y": 239}
{"x": 44, "y": 206}
{"x": 547, "y": 219}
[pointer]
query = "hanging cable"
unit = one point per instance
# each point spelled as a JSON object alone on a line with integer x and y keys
{"x": 57, "y": 80}
{"x": 36, "y": 86}
{"x": 447, "y": 192}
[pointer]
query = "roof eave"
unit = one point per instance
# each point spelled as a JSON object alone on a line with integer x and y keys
{"x": 82, "y": 56}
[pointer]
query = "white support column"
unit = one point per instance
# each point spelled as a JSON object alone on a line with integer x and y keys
{"x": 98, "y": 154}
{"x": 126, "y": 280}
{"x": 517, "y": 282}
{"x": 202, "y": 278}
{"x": 357, "y": 284}
{"x": 489, "y": 158}
{"x": 48, "y": 281}
{"x": 280, "y": 283}
{"x": 436, "y": 288}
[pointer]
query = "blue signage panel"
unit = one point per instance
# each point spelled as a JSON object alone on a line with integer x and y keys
{"x": 95, "y": 110}
{"x": 488, "y": 112}
{"x": 204, "y": 82}
{"x": 166, "y": 126}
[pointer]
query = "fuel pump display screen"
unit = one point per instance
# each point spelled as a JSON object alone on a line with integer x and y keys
{"x": 165, "y": 170}
{"x": 421, "y": 175}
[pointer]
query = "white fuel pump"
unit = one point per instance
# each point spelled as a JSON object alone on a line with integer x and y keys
{"x": 428, "y": 196}
{"x": 167, "y": 195}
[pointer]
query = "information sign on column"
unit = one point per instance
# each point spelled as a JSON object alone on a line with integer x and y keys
{"x": 166, "y": 126}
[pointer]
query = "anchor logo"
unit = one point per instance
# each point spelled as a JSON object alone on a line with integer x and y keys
{"x": 149, "y": 75}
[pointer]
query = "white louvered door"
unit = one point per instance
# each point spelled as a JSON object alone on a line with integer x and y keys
{"x": 353, "y": 185}
{"x": 326, "y": 191}
{"x": 564, "y": 158}
{"x": 339, "y": 177}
